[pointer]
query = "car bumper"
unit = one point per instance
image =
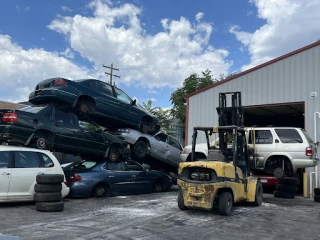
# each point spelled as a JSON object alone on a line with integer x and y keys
{"x": 79, "y": 191}
{"x": 52, "y": 95}
{"x": 65, "y": 190}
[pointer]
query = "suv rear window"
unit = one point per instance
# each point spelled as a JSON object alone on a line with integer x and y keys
{"x": 289, "y": 135}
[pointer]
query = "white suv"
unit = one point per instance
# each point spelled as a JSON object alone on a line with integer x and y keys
{"x": 272, "y": 149}
{"x": 19, "y": 167}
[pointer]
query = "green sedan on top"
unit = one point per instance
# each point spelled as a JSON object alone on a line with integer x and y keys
{"x": 106, "y": 104}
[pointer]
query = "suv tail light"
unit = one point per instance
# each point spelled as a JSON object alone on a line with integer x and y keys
{"x": 10, "y": 117}
{"x": 59, "y": 83}
{"x": 75, "y": 178}
{"x": 309, "y": 151}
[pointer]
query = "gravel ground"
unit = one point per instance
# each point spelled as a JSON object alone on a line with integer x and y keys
{"x": 156, "y": 216}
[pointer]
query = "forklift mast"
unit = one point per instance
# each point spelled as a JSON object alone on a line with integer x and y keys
{"x": 232, "y": 115}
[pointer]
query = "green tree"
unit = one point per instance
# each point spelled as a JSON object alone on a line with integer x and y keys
{"x": 191, "y": 84}
{"x": 163, "y": 115}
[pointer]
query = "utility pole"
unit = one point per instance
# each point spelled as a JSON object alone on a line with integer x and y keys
{"x": 111, "y": 70}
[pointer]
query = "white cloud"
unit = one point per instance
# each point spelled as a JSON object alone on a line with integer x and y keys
{"x": 152, "y": 99}
{"x": 152, "y": 91}
{"x": 290, "y": 24}
{"x": 18, "y": 8}
{"x": 66, "y": 9}
{"x": 199, "y": 16}
{"x": 115, "y": 34}
{"x": 21, "y": 69}
{"x": 67, "y": 53}
{"x": 27, "y": 9}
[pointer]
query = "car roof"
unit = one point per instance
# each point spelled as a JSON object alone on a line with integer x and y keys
{"x": 21, "y": 148}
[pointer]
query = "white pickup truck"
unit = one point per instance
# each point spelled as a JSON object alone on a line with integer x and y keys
{"x": 275, "y": 150}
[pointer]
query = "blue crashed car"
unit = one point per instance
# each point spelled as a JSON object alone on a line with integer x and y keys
{"x": 101, "y": 178}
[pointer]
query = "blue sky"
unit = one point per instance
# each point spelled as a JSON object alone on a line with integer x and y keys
{"x": 155, "y": 44}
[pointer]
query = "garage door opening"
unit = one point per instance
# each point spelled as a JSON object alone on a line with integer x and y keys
{"x": 277, "y": 115}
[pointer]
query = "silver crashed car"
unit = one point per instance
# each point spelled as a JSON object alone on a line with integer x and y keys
{"x": 160, "y": 146}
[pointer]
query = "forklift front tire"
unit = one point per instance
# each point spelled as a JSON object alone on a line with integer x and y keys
{"x": 225, "y": 203}
{"x": 181, "y": 201}
{"x": 259, "y": 194}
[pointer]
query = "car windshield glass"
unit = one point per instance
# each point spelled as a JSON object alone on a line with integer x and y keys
{"x": 122, "y": 96}
{"x": 85, "y": 165}
{"x": 32, "y": 109}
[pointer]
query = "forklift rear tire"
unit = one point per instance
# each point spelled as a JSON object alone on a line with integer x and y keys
{"x": 181, "y": 201}
{"x": 225, "y": 203}
{"x": 259, "y": 194}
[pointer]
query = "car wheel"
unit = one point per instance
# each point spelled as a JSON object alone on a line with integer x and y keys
{"x": 86, "y": 106}
{"x": 148, "y": 126}
{"x": 181, "y": 201}
{"x": 259, "y": 194}
{"x": 140, "y": 149}
{"x": 225, "y": 203}
{"x": 100, "y": 191}
{"x": 157, "y": 186}
{"x": 113, "y": 155}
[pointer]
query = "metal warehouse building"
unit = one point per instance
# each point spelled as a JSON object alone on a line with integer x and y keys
{"x": 281, "y": 92}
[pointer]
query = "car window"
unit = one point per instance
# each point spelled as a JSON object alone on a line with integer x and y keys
{"x": 121, "y": 166}
{"x": 289, "y": 135}
{"x": 104, "y": 88}
{"x": 4, "y": 159}
{"x": 87, "y": 126}
{"x": 161, "y": 137}
{"x": 32, "y": 109}
{"x": 174, "y": 143}
{"x": 261, "y": 137}
{"x": 133, "y": 166}
{"x": 64, "y": 117}
{"x": 85, "y": 165}
{"x": 47, "y": 162}
{"x": 25, "y": 159}
{"x": 307, "y": 136}
{"x": 122, "y": 96}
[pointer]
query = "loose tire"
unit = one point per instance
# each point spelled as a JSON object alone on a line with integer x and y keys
{"x": 225, "y": 203}
{"x": 289, "y": 181}
{"x": 48, "y": 197}
{"x": 180, "y": 201}
{"x": 47, "y": 188}
{"x": 287, "y": 195}
{"x": 50, "y": 178}
{"x": 140, "y": 149}
{"x": 317, "y": 191}
{"x": 50, "y": 206}
{"x": 316, "y": 198}
{"x": 157, "y": 186}
{"x": 286, "y": 188}
{"x": 259, "y": 194}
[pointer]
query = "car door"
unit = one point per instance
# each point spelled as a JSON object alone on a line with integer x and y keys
{"x": 142, "y": 182}
{"x": 264, "y": 142}
{"x": 175, "y": 151}
{"x": 160, "y": 147}
{"x": 120, "y": 178}
{"x": 65, "y": 127}
{"x": 27, "y": 165}
{"x": 5, "y": 174}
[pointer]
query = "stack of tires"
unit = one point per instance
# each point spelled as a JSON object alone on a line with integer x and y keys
{"x": 48, "y": 195}
{"x": 287, "y": 187}
{"x": 316, "y": 197}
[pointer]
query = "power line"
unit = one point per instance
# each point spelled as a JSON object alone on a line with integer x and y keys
{"x": 111, "y": 71}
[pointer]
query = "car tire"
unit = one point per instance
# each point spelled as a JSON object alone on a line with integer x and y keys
{"x": 48, "y": 197}
{"x": 148, "y": 127}
{"x": 47, "y": 188}
{"x": 317, "y": 191}
{"x": 286, "y": 188}
{"x": 100, "y": 191}
{"x": 287, "y": 195}
{"x": 259, "y": 194}
{"x": 180, "y": 201}
{"x": 140, "y": 149}
{"x": 49, "y": 178}
{"x": 50, "y": 206}
{"x": 86, "y": 106}
{"x": 289, "y": 181}
{"x": 113, "y": 154}
{"x": 157, "y": 186}
{"x": 225, "y": 203}
{"x": 316, "y": 198}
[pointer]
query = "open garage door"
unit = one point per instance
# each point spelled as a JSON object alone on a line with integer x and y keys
{"x": 277, "y": 115}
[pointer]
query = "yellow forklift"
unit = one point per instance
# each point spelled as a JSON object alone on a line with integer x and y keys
{"x": 223, "y": 178}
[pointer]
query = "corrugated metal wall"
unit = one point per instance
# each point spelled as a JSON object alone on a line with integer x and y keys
{"x": 289, "y": 80}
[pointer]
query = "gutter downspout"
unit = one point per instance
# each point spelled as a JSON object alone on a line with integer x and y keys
{"x": 315, "y": 141}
